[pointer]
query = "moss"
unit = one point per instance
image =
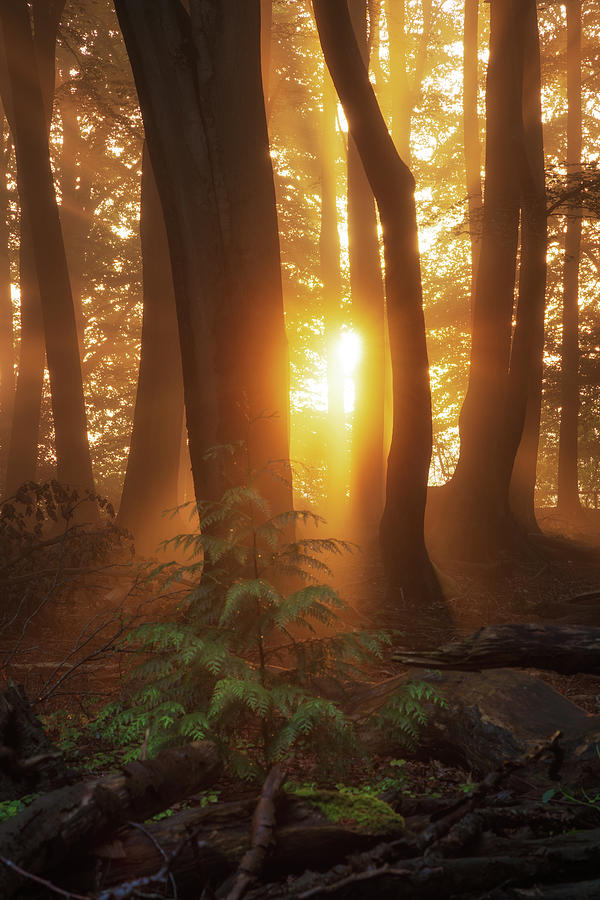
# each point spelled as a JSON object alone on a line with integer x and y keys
{"x": 353, "y": 809}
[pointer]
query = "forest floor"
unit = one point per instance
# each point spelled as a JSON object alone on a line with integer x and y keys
{"x": 65, "y": 655}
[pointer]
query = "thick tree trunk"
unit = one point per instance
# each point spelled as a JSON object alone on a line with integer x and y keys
{"x": 329, "y": 258}
{"x": 216, "y": 189}
{"x": 167, "y": 74}
{"x": 368, "y": 312}
{"x": 412, "y": 582}
{"x": 478, "y": 493}
{"x": 151, "y": 479}
{"x": 526, "y": 366}
{"x": 568, "y": 484}
{"x": 33, "y": 162}
{"x": 253, "y": 360}
{"x": 471, "y": 133}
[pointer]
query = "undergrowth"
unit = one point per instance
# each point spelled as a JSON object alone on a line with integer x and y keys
{"x": 256, "y": 640}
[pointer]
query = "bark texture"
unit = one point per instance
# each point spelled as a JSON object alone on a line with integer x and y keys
{"x": 57, "y": 826}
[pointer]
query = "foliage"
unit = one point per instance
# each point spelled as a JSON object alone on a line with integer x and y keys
{"x": 257, "y": 637}
{"x": 10, "y": 808}
{"x": 405, "y": 713}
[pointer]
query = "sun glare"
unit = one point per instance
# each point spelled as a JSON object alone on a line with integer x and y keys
{"x": 349, "y": 350}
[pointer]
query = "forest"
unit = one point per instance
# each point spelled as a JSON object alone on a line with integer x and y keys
{"x": 300, "y": 449}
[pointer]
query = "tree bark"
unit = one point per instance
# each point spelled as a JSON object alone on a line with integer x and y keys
{"x": 478, "y": 493}
{"x": 57, "y": 826}
{"x": 412, "y": 582}
{"x": 151, "y": 479}
{"x": 368, "y": 315}
{"x": 253, "y": 360}
{"x": 200, "y": 74}
{"x": 568, "y": 649}
{"x": 33, "y": 161}
{"x": 526, "y": 364}
{"x": 568, "y": 484}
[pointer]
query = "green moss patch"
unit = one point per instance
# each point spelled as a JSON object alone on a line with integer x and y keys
{"x": 353, "y": 809}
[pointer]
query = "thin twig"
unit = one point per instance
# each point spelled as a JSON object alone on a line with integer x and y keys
{"x": 69, "y": 895}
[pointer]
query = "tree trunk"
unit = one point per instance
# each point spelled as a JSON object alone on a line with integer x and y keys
{"x": 471, "y": 133}
{"x": 568, "y": 484}
{"x": 253, "y": 360}
{"x": 7, "y": 353}
{"x": 202, "y": 75}
{"x": 412, "y": 583}
{"x": 159, "y": 41}
{"x": 478, "y": 492}
{"x": 33, "y": 162}
{"x": 74, "y": 212}
{"x": 399, "y": 81}
{"x": 152, "y": 475}
{"x": 22, "y": 444}
{"x": 329, "y": 257}
{"x": 368, "y": 312}
{"x": 526, "y": 366}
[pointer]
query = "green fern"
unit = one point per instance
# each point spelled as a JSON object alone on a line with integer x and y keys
{"x": 242, "y": 664}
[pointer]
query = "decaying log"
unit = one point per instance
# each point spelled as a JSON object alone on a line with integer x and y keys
{"x": 29, "y": 761}
{"x": 61, "y": 824}
{"x": 219, "y": 836}
{"x": 568, "y": 649}
{"x": 490, "y": 716}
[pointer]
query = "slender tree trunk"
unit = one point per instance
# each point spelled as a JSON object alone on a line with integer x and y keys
{"x": 568, "y": 484}
{"x": 329, "y": 254}
{"x": 7, "y": 353}
{"x": 399, "y": 80}
{"x": 33, "y": 162}
{"x": 368, "y": 312}
{"x": 479, "y": 488}
{"x": 411, "y": 579}
{"x": 151, "y": 479}
{"x": 74, "y": 214}
{"x": 471, "y": 132}
{"x": 528, "y": 343}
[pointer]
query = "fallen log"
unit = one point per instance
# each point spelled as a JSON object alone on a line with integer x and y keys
{"x": 215, "y": 838}
{"x": 567, "y": 649}
{"x": 489, "y": 717}
{"x": 62, "y": 824}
